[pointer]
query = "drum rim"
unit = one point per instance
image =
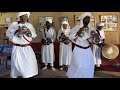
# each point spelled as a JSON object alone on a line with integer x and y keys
{"x": 110, "y": 58}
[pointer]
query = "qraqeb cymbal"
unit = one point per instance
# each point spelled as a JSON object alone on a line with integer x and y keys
{"x": 110, "y": 51}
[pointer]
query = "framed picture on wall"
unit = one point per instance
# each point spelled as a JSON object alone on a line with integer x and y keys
{"x": 42, "y": 20}
{"x": 77, "y": 20}
{"x": 8, "y": 20}
{"x": 110, "y": 22}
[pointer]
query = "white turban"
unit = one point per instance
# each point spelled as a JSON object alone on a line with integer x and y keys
{"x": 99, "y": 24}
{"x": 49, "y": 20}
{"x": 76, "y": 28}
{"x": 83, "y": 16}
{"x": 22, "y": 13}
{"x": 64, "y": 22}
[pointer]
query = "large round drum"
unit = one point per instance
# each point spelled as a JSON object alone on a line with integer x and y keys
{"x": 110, "y": 51}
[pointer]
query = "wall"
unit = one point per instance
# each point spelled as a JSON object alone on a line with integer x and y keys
{"x": 111, "y": 37}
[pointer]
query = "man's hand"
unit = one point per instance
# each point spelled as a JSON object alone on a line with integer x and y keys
{"x": 79, "y": 32}
{"x": 96, "y": 35}
{"x": 43, "y": 41}
{"x": 49, "y": 40}
{"x": 19, "y": 30}
{"x": 62, "y": 37}
{"x": 91, "y": 43}
{"x": 28, "y": 31}
{"x": 104, "y": 44}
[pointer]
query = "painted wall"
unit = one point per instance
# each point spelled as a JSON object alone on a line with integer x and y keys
{"x": 111, "y": 36}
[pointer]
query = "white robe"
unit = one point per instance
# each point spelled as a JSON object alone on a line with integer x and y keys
{"x": 82, "y": 63}
{"x": 48, "y": 55}
{"x": 23, "y": 60}
{"x": 65, "y": 51}
{"x": 97, "y": 50}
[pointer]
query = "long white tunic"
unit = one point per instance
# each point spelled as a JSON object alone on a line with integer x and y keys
{"x": 82, "y": 63}
{"x": 97, "y": 50}
{"x": 65, "y": 51}
{"x": 48, "y": 55}
{"x": 23, "y": 60}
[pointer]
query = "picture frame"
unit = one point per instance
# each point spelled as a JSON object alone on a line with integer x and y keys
{"x": 9, "y": 20}
{"x": 77, "y": 20}
{"x": 110, "y": 22}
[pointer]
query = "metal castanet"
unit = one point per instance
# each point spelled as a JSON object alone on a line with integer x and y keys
{"x": 81, "y": 32}
{"x": 64, "y": 39}
{"x": 24, "y": 28}
{"x": 67, "y": 41}
{"x": 96, "y": 37}
{"x": 46, "y": 41}
{"x": 49, "y": 41}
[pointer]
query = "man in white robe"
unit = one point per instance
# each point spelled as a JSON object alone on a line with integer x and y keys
{"x": 82, "y": 63}
{"x": 65, "y": 49}
{"x": 48, "y": 38}
{"x": 23, "y": 60}
{"x": 97, "y": 48}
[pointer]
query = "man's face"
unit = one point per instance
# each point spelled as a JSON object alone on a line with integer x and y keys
{"x": 24, "y": 18}
{"x": 86, "y": 20}
{"x": 99, "y": 27}
{"x": 65, "y": 26}
{"x": 48, "y": 24}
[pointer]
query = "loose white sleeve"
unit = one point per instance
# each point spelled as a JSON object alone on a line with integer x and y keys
{"x": 11, "y": 29}
{"x": 54, "y": 36}
{"x": 74, "y": 30}
{"x": 32, "y": 29}
{"x": 102, "y": 33}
